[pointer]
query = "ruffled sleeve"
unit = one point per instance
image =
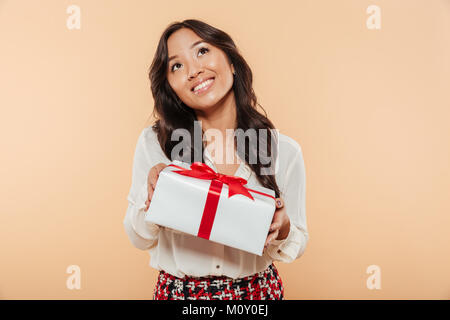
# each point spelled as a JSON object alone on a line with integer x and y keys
{"x": 293, "y": 194}
{"x": 143, "y": 235}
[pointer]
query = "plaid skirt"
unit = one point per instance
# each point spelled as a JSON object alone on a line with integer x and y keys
{"x": 264, "y": 285}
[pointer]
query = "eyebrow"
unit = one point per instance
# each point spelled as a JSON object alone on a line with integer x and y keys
{"x": 193, "y": 45}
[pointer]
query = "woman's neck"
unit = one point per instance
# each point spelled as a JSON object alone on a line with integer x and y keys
{"x": 221, "y": 117}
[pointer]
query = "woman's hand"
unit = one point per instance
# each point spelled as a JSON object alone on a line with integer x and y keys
{"x": 279, "y": 229}
{"x": 151, "y": 181}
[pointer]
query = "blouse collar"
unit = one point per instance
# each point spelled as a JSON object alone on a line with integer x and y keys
{"x": 243, "y": 171}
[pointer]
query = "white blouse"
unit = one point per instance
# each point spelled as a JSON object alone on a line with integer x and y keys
{"x": 183, "y": 254}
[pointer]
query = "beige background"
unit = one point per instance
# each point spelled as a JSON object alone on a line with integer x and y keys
{"x": 370, "y": 109}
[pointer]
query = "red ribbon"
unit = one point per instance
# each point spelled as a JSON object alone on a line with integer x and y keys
{"x": 201, "y": 170}
{"x": 235, "y": 184}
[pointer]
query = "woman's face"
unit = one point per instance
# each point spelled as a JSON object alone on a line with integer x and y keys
{"x": 194, "y": 63}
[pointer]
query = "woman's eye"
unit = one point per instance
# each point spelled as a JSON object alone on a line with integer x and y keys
{"x": 174, "y": 66}
{"x": 203, "y": 48}
{"x": 198, "y": 51}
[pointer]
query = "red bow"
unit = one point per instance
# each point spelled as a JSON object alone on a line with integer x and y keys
{"x": 201, "y": 170}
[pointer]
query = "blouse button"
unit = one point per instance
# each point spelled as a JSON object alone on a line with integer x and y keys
{"x": 279, "y": 251}
{"x": 217, "y": 266}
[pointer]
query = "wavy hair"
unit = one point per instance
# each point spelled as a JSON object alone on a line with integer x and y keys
{"x": 171, "y": 113}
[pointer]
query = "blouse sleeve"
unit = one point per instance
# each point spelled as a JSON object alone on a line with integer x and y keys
{"x": 293, "y": 194}
{"x": 143, "y": 235}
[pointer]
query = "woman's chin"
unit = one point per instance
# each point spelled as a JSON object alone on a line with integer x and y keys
{"x": 206, "y": 103}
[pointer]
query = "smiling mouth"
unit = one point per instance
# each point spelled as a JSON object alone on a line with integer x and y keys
{"x": 209, "y": 82}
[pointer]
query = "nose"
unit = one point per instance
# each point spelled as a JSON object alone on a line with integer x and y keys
{"x": 194, "y": 70}
{"x": 194, "y": 74}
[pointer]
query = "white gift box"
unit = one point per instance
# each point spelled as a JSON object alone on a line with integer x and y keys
{"x": 202, "y": 207}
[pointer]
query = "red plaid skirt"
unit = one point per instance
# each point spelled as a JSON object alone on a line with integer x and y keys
{"x": 264, "y": 285}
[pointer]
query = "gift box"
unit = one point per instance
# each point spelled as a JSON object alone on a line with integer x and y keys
{"x": 196, "y": 200}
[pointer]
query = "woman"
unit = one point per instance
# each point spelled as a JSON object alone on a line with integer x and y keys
{"x": 198, "y": 77}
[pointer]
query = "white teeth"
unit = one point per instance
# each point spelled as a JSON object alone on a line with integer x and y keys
{"x": 203, "y": 84}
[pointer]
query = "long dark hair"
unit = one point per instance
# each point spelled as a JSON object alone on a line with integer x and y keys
{"x": 172, "y": 113}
